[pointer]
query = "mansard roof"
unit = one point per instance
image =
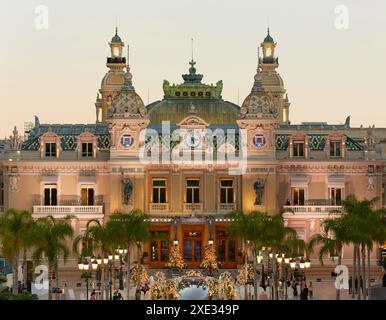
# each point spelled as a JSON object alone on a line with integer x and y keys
{"x": 68, "y": 134}
{"x": 317, "y": 133}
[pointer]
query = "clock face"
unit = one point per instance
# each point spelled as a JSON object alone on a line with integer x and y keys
{"x": 259, "y": 140}
{"x": 192, "y": 139}
{"x": 127, "y": 140}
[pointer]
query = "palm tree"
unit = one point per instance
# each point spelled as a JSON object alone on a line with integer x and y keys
{"x": 128, "y": 229}
{"x": 376, "y": 228}
{"x": 361, "y": 232}
{"x": 249, "y": 227}
{"x": 97, "y": 237}
{"x": 15, "y": 236}
{"x": 330, "y": 244}
{"x": 50, "y": 242}
{"x": 279, "y": 238}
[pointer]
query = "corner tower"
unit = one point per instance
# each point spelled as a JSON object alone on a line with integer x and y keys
{"x": 113, "y": 80}
{"x": 272, "y": 80}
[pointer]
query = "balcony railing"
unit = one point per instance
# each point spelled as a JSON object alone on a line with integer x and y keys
{"x": 69, "y": 200}
{"x": 67, "y": 210}
{"x": 159, "y": 207}
{"x": 313, "y": 209}
{"x": 226, "y": 206}
{"x": 193, "y": 206}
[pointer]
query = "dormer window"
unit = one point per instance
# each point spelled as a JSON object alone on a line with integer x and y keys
{"x": 335, "y": 149}
{"x": 185, "y": 93}
{"x": 178, "y": 94}
{"x": 193, "y": 94}
{"x": 298, "y": 149}
{"x": 87, "y": 145}
{"x": 207, "y": 94}
{"x": 50, "y": 150}
{"x": 50, "y": 145}
{"x": 87, "y": 150}
{"x": 200, "y": 93}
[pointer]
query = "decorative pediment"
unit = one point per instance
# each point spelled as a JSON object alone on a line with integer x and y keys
{"x": 86, "y": 136}
{"x": 49, "y": 136}
{"x": 193, "y": 122}
{"x": 298, "y": 136}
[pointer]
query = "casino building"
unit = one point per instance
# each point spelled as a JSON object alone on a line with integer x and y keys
{"x": 199, "y": 158}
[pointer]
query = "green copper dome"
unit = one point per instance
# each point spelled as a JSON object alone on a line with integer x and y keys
{"x": 192, "y": 97}
{"x": 116, "y": 38}
{"x": 268, "y": 38}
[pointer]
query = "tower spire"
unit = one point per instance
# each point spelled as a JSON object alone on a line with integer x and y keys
{"x": 192, "y": 49}
{"x": 128, "y": 57}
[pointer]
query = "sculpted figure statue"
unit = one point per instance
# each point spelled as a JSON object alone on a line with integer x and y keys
{"x": 127, "y": 191}
{"x": 259, "y": 191}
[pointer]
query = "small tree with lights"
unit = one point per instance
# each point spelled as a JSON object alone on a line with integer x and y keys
{"x": 210, "y": 260}
{"x": 176, "y": 260}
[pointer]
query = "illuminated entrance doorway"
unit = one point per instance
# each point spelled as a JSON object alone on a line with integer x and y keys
{"x": 192, "y": 245}
{"x": 159, "y": 246}
{"x": 226, "y": 248}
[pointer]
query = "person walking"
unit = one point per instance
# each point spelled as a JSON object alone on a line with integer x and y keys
{"x": 298, "y": 289}
{"x": 93, "y": 295}
{"x": 361, "y": 285}
{"x": 350, "y": 285}
{"x": 290, "y": 292}
{"x": 304, "y": 294}
{"x": 311, "y": 291}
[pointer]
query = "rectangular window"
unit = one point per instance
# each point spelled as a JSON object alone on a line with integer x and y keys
{"x": 2, "y": 194}
{"x": 87, "y": 150}
{"x": 298, "y": 149}
{"x": 335, "y": 149}
{"x": 226, "y": 191}
{"x": 193, "y": 191}
{"x": 50, "y": 195}
{"x": 87, "y": 196}
{"x": 50, "y": 150}
{"x": 335, "y": 195}
{"x": 298, "y": 196}
{"x": 159, "y": 190}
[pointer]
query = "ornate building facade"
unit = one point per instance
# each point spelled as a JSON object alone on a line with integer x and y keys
{"x": 190, "y": 158}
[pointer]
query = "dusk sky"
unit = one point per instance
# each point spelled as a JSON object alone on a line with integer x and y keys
{"x": 329, "y": 73}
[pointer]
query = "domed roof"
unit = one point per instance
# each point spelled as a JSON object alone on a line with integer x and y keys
{"x": 127, "y": 104}
{"x": 192, "y": 97}
{"x": 268, "y": 38}
{"x": 214, "y": 112}
{"x": 116, "y": 38}
{"x": 113, "y": 79}
{"x": 258, "y": 104}
{"x": 272, "y": 79}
